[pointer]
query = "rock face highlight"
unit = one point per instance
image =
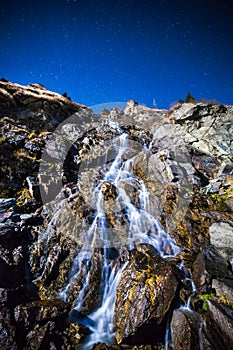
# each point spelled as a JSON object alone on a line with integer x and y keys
{"x": 133, "y": 250}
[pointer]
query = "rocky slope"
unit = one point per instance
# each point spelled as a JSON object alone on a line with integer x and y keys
{"x": 164, "y": 176}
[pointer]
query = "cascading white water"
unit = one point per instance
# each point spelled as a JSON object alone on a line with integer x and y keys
{"x": 142, "y": 227}
{"x": 50, "y": 229}
{"x": 187, "y": 305}
{"x": 193, "y": 289}
{"x": 98, "y": 230}
{"x": 103, "y": 329}
{"x": 49, "y": 232}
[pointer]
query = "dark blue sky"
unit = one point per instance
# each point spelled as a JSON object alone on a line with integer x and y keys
{"x": 100, "y": 51}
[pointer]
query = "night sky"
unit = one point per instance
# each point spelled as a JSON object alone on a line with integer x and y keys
{"x": 98, "y": 51}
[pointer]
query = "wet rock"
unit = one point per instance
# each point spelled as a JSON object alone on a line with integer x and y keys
{"x": 39, "y": 311}
{"x": 209, "y": 265}
{"x": 80, "y": 318}
{"x": 109, "y": 191}
{"x": 218, "y": 329}
{"x": 100, "y": 346}
{"x": 51, "y": 264}
{"x": 82, "y": 209}
{"x": 36, "y": 338}
{"x": 93, "y": 296}
{"x": 146, "y": 291}
{"x": 186, "y": 328}
{"x": 73, "y": 336}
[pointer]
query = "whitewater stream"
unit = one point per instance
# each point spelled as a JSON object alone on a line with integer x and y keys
{"x": 143, "y": 228}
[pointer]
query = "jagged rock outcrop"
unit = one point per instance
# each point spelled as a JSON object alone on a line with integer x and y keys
{"x": 147, "y": 289}
{"x": 218, "y": 324}
{"x": 169, "y": 179}
{"x": 27, "y": 116}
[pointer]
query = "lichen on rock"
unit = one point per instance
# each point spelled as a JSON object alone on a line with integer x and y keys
{"x": 146, "y": 291}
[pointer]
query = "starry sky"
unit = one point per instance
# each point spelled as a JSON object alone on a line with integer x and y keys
{"x": 101, "y": 51}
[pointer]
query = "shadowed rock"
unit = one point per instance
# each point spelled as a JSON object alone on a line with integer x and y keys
{"x": 219, "y": 320}
{"x": 186, "y": 327}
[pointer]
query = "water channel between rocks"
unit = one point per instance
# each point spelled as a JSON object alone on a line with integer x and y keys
{"x": 140, "y": 227}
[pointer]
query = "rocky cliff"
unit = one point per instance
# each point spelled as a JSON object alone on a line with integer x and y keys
{"x": 116, "y": 230}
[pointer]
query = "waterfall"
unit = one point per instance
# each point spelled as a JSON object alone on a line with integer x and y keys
{"x": 103, "y": 329}
{"x": 193, "y": 290}
{"x": 49, "y": 232}
{"x": 141, "y": 227}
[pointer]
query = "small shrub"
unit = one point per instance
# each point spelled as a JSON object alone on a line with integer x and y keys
{"x": 189, "y": 98}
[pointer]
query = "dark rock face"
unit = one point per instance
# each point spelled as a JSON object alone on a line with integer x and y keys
{"x": 27, "y": 115}
{"x": 218, "y": 329}
{"x": 183, "y": 157}
{"x": 147, "y": 288}
{"x": 186, "y": 328}
{"x": 208, "y": 265}
{"x": 41, "y": 324}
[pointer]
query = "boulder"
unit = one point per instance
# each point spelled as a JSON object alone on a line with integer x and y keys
{"x": 218, "y": 328}
{"x": 224, "y": 289}
{"x": 147, "y": 288}
{"x": 221, "y": 236}
{"x": 209, "y": 265}
{"x": 186, "y": 328}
